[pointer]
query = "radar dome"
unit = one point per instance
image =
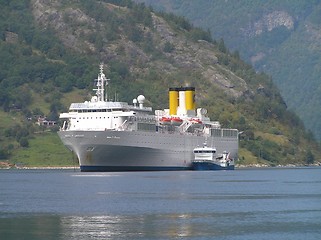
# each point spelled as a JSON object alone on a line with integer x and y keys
{"x": 94, "y": 99}
{"x": 141, "y": 99}
{"x": 203, "y": 111}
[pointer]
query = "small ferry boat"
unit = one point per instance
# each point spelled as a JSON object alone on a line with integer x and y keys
{"x": 205, "y": 159}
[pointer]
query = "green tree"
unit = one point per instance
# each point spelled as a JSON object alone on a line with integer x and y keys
{"x": 221, "y": 46}
{"x": 309, "y": 158}
{"x": 3, "y": 153}
{"x": 24, "y": 142}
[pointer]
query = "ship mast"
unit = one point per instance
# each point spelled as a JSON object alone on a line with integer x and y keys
{"x": 101, "y": 82}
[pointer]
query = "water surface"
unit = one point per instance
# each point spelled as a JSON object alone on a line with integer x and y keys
{"x": 240, "y": 204}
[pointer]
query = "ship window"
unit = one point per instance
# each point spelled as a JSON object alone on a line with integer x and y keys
{"x": 229, "y": 133}
{"x": 216, "y": 132}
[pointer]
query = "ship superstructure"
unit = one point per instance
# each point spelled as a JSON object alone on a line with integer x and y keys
{"x": 115, "y": 136}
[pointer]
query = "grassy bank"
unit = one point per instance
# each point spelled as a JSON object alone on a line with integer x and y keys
{"x": 45, "y": 150}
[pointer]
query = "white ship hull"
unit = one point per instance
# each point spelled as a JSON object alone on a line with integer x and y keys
{"x": 115, "y": 136}
{"x": 138, "y": 150}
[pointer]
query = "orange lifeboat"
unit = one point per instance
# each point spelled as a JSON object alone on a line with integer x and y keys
{"x": 165, "y": 120}
{"x": 195, "y": 121}
{"x": 176, "y": 120}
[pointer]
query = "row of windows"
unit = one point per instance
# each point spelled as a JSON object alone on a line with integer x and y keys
{"x": 224, "y": 132}
{"x": 216, "y": 132}
{"x": 133, "y": 119}
{"x": 98, "y": 110}
{"x": 146, "y": 127}
{"x": 96, "y": 117}
{"x": 204, "y": 151}
{"x": 229, "y": 133}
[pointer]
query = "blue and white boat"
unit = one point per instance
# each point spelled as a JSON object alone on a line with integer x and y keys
{"x": 205, "y": 158}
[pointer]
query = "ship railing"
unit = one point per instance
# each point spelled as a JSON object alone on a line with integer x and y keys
{"x": 124, "y": 125}
{"x": 64, "y": 126}
{"x": 199, "y": 131}
{"x": 185, "y": 126}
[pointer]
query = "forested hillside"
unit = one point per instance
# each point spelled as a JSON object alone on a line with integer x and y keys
{"x": 280, "y": 37}
{"x": 51, "y": 51}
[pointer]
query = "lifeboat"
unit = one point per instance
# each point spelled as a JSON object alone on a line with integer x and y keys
{"x": 165, "y": 120}
{"x": 195, "y": 121}
{"x": 176, "y": 121}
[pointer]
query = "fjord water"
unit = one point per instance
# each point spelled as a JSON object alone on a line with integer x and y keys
{"x": 240, "y": 204}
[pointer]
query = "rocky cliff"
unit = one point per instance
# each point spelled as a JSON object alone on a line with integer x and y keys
{"x": 73, "y": 26}
{"x": 281, "y": 38}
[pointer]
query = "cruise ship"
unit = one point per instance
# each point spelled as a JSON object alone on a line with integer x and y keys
{"x": 108, "y": 135}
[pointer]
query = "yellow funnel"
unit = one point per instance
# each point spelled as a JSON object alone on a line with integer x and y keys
{"x": 173, "y": 101}
{"x": 190, "y": 98}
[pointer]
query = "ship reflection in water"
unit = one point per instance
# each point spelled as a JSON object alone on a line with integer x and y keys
{"x": 150, "y": 226}
{"x": 130, "y": 226}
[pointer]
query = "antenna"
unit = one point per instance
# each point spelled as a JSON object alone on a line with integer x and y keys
{"x": 102, "y": 81}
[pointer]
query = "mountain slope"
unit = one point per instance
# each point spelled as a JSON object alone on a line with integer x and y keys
{"x": 62, "y": 42}
{"x": 282, "y": 38}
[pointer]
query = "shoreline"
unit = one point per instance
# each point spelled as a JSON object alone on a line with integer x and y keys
{"x": 6, "y": 166}
{"x": 249, "y": 166}
{"x": 40, "y": 168}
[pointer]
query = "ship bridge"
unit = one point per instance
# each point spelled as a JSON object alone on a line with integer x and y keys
{"x": 107, "y": 107}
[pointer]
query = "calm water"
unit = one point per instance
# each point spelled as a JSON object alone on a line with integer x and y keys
{"x": 240, "y": 204}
